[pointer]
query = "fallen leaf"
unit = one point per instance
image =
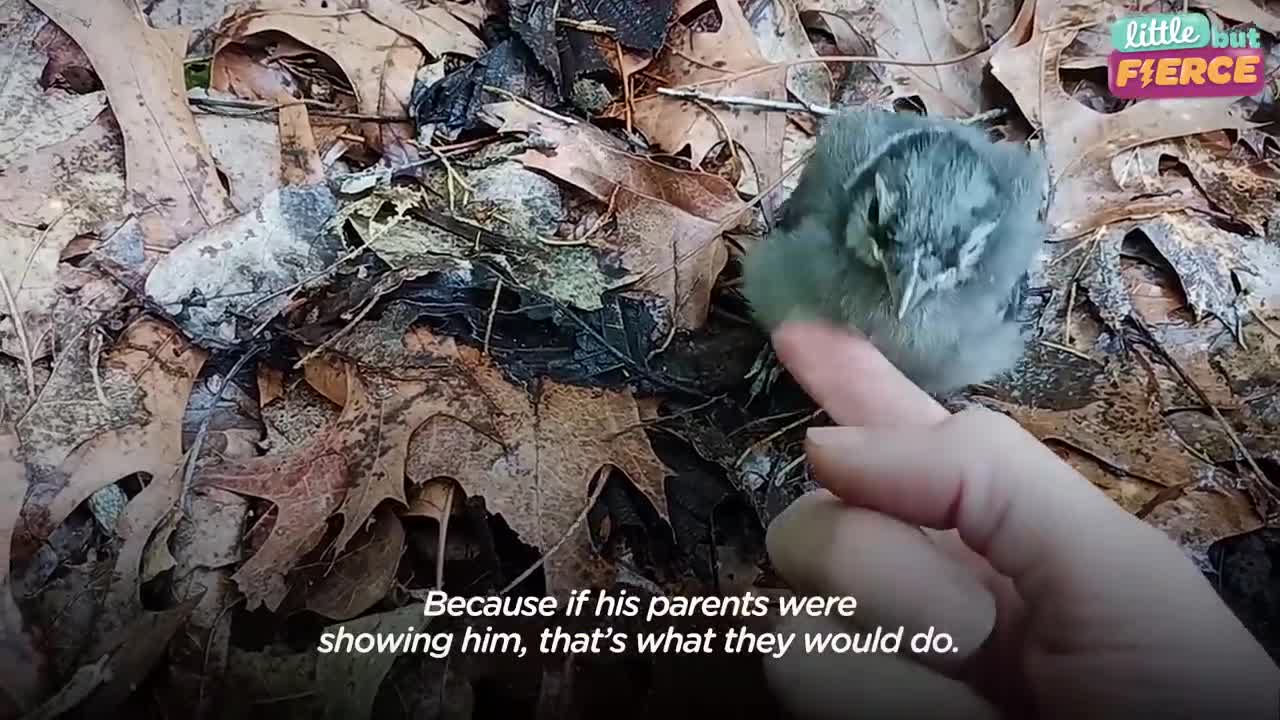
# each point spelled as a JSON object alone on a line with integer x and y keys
{"x": 1247, "y": 189}
{"x": 357, "y": 579}
{"x": 170, "y": 175}
{"x": 144, "y": 513}
{"x": 21, "y": 664}
{"x": 50, "y": 197}
{"x": 933, "y": 30}
{"x": 667, "y": 219}
{"x": 378, "y": 44}
{"x": 1123, "y": 444}
{"x": 781, "y": 37}
{"x": 1080, "y": 142}
{"x": 73, "y": 445}
{"x": 33, "y": 116}
{"x": 349, "y": 681}
{"x": 225, "y": 282}
{"x": 708, "y": 57}
{"x": 247, "y": 152}
{"x": 201, "y": 17}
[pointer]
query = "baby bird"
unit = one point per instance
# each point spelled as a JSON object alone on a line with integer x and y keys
{"x": 917, "y": 232}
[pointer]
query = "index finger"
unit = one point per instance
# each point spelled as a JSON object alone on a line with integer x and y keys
{"x": 850, "y": 379}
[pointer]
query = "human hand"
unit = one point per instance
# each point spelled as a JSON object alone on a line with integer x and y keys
{"x": 1061, "y": 603}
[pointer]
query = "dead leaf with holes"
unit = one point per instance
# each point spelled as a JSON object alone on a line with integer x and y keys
{"x": 170, "y": 175}
{"x": 1080, "y": 142}
{"x": 76, "y": 440}
{"x": 696, "y": 57}
{"x": 667, "y": 220}
{"x": 1122, "y": 443}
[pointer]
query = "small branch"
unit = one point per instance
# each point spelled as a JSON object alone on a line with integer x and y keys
{"x": 761, "y": 103}
{"x": 776, "y": 434}
{"x": 590, "y": 26}
{"x": 493, "y": 310}
{"x": 20, "y": 332}
{"x": 316, "y": 108}
{"x": 530, "y": 104}
{"x": 364, "y": 312}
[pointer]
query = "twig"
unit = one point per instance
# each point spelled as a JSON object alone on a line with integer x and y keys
{"x": 786, "y": 470}
{"x": 776, "y": 434}
{"x": 1154, "y": 343}
{"x": 451, "y": 175}
{"x": 590, "y": 26}
{"x": 658, "y": 420}
{"x": 20, "y": 330}
{"x": 608, "y": 214}
{"x": 95, "y": 359}
{"x": 193, "y": 453}
{"x": 698, "y": 96}
{"x": 493, "y": 310}
{"x": 364, "y": 312}
{"x": 1071, "y": 284}
{"x": 627, "y": 96}
{"x": 530, "y": 104}
{"x": 728, "y": 136}
{"x": 875, "y": 59}
{"x": 320, "y": 109}
{"x": 627, "y": 361}
{"x": 568, "y": 533}
{"x": 1066, "y": 349}
{"x": 1263, "y": 321}
{"x": 303, "y": 282}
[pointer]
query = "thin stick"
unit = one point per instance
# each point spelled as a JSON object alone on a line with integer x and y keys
{"x": 1071, "y": 284}
{"x": 364, "y": 312}
{"x": 530, "y": 104}
{"x": 627, "y": 97}
{"x": 20, "y": 329}
{"x": 493, "y": 310}
{"x": 590, "y": 26}
{"x": 750, "y": 72}
{"x": 740, "y": 100}
{"x": 777, "y": 434}
{"x": 608, "y": 214}
{"x": 1266, "y": 325}
{"x": 256, "y": 108}
{"x": 568, "y": 533}
{"x": 1169, "y": 360}
{"x": 728, "y": 137}
{"x": 1066, "y": 349}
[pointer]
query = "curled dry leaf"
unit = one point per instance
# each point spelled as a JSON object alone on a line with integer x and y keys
{"x": 378, "y": 44}
{"x": 73, "y": 444}
{"x": 1080, "y": 142}
{"x": 170, "y": 175}
{"x": 694, "y": 57}
{"x": 21, "y": 664}
{"x": 667, "y": 220}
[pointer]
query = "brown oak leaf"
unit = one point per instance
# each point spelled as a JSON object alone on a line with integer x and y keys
{"x": 668, "y": 220}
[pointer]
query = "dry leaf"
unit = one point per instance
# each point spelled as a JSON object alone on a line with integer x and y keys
{"x": 378, "y": 44}
{"x": 73, "y": 445}
{"x": 34, "y": 117}
{"x": 361, "y": 577}
{"x": 349, "y": 681}
{"x": 223, "y": 283}
{"x": 50, "y": 197}
{"x": 1205, "y": 259}
{"x": 1123, "y": 444}
{"x": 1081, "y": 142}
{"x": 781, "y": 37}
{"x": 693, "y": 57}
{"x": 170, "y": 175}
{"x": 21, "y": 665}
{"x": 667, "y": 219}
{"x": 199, "y": 16}
{"x": 247, "y": 152}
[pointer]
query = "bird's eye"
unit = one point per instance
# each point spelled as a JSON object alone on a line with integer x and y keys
{"x": 873, "y": 212}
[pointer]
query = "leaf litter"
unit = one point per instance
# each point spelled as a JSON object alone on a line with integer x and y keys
{"x": 314, "y": 306}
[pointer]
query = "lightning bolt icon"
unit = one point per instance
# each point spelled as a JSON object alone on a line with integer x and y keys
{"x": 1147, "y": 72}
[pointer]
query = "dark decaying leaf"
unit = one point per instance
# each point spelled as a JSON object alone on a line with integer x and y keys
{"x": 453, "y": 104}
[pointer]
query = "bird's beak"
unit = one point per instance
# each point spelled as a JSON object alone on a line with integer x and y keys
{"x": 903, "y": 289}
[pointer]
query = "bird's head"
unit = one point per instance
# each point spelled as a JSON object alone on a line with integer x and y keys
{"x": 921, "y": 213}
